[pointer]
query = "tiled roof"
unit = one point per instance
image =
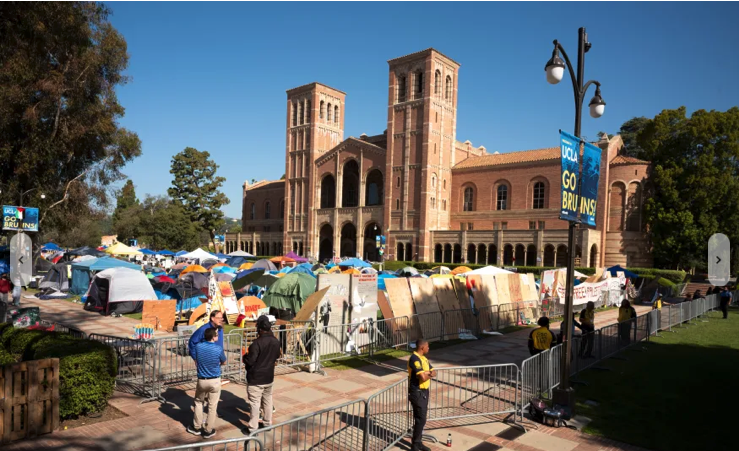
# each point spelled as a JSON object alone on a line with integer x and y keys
{"x": 523, "y": 156}
{"x": 266, "y": 184}
{"x": 623, "y": 159}
{"x": 311, "y": 85}
{"x": 421, "y": 52}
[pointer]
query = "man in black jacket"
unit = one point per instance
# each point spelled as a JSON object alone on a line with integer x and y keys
{"x": 260, "y": 361}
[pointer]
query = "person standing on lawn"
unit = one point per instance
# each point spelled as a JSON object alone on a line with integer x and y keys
{"x": 587, "y": 326}
{"x": 725, "y": 300}
{"x": 420, "y": 373}
{"x": 215, "y": 322}
{"x": 260, "y": 361}
{"x": 209, "y": 358}
{"x": 626, "y": 314}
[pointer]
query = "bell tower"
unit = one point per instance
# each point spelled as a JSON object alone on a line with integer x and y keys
{"x": 422, "y": 125}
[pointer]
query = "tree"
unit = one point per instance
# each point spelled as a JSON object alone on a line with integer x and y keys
{"x": 197, "y": 188}
{"x": 60, "y": 65}
{"x": 125, "y": 216}
{"x": 694, "y": 189}
{"x": 164, "y": 224}
{"x": 629, "y": 134}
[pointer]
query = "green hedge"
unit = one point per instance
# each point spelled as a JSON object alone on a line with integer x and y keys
{"x": 22, "y": 340}
{"x": 6, "y": 358}
{"x": 669, "y": 274}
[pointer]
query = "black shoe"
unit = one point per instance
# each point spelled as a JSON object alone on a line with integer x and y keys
{"x": 421, "y": 447}
{"x": 209, "y": 434}
{"x": 245, "y": 430}
{"x": 192, "y": 430}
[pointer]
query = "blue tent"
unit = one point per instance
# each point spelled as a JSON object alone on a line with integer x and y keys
{"x": 615, "y": 269}
{"x": 83, "y": 271}
{"x": 50, "y": 247}
{"x": 147, "y": 252}
{"x": 354, "y": 263}
{"x": 181, "y": 253}
{"x": 381, "y": 280}
{"x": 286, "y": 270}
{"x": 302, "y": 269}
{"x": 165, "y": 252}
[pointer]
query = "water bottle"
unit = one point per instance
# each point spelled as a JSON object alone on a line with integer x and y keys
{"x": 449, "y": 440}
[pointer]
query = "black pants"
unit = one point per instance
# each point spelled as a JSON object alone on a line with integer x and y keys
{"x": 588, "y": 335}
{"x": 420, "y": 401}
{"x": 725, "y": 308}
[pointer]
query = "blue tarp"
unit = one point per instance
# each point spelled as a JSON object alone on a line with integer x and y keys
{"x": 615, "y": 269}
{"x": 381, "y": 280}
{"x": 302, "y": 269}
{"x": 166, "y": 253}
{"x": 354, "y": 263}
{"x": 50, "y": 247}
{"x": 181, "y": 253}
{"x": 147, "y": 252}
{"x": 82, "y": 271}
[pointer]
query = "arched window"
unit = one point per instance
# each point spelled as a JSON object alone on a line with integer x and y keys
{"x": 468, "y": 199}
{"x": 328, "y": 113}
{"x": 444, "y": 184}
{"x": 401, "y": 88}
{"x": 397, "y": 204}
{"x": 350, "y": 185}
{"x": 501, "y": 202}
{"x": 253, "y": 214}
{"x": 328, "y": 192}
{"x": 282, "y": 208}
{"x": 433, "y": 180}
{"x": 448, "y": 91}
{"x": 538, "y": 202}
{"x": 633, "y": 207}
{"x": 301, "y": 113}
{"x": 295, "y": 114}
{"x": 437, "y": 82}
{"x": 266, "y": 210}
{"x": 418, "y": 88}
{"x": 322, "y": 111}
{"x": 307, "y": 110}
{"x": 373, "y": 191}
{"x": 336, "y": 114}
{"x": 397, "y": 182}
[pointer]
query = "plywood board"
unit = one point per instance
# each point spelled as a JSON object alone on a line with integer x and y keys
{"x": 488, "y": 292}
{"x": 532, "y": 286}
{"x": 449, "y": 306}
{"x": 474, "y": 281}
{"x": 514, "y": 288}
{"x": 384, "y": 305}
{"x": 160, "y": 313}
{"x": 310, "y": 305}
{"x": 501, "y": 285}
{"x": 399, "y": 297}
{"x": 427, "y": 307}
{"x": 462, "y": 296}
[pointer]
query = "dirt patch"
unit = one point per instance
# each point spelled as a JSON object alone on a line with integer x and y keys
{"x": 108, "y": 414}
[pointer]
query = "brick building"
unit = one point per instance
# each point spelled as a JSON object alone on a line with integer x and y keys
{"x": 434, "y": 197}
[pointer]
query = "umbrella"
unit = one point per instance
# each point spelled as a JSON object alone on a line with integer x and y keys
{"x": 245, "y": 266}
{"x": 252, "y": 305}
{"x": 207, "y": 264}
{"x": 244, "y": 278}
{"x": 282, "y": 260}
{"x": 354, "y": 263}
{"x": 240, "y": 254}
{"x": 193, "y": 268}
{"x": 296, "y": 257}
{"x": 264, "y": 264}
{"x": 266, "y": 280}
{"x": 224, "y": 276}
{"x": 180, "y": 266}
{"x": 461, "y": 270}
{"x": 165, "y": 279}
{"x": 408, "y": 271}
{"x": 223, "y": 270}
{"x": 195, "y": 279}
{"x": 290, "y": 292}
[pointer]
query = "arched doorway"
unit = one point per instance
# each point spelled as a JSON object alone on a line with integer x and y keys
{"x": 350, "y": 185}
{"x": 549, "y": 255}
{"x": 492, "y": 255}
{"x": 409, "y": 252}
{"x": 348, "y": 241}
{"x": 438, "y": 251}
{"x": 508, "y": 255}
{"x": 326, "y": 243}
{"x": 328, "y": 192}
{"x": 370, "y": 251}
{"x": 561, "y": 256}
{"x": 593, "y": 256}
{"x": 400, "y": 255}
{"x": 482, "y": 254}
{"x": 471, "y": 253}
{"x": 531, "y": 255}
{"x": 520, "y": 255}
{"x": 447, "y": 253}
{"x": 374, "y": 188}
{"x": 457, "y": 258}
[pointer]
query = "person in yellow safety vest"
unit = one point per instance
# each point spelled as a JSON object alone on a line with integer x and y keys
{"x": 587, "y": 325}
{"x": 541, "y": 339}
{"x": 420, "y": 373}
{"x": 657, "y": 304}
{"x": 625, "y": 315}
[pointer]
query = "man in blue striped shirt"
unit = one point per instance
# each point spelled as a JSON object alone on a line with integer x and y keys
{"x": 209, "y": 357}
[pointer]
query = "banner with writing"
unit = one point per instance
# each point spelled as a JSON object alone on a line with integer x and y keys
{"x": 589, "y": 189}
{"x": 570, "y": 153}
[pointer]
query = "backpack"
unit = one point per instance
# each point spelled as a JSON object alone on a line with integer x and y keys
{"x": 542, "y": 413}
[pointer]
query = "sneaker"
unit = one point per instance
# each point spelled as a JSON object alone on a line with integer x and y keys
{"x": 209, "y": 434}
{"x": 245, "y": 430}
{"x": 192, "y": 430}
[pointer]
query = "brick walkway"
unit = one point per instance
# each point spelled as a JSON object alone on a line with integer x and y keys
{"x": 153, "y": 425}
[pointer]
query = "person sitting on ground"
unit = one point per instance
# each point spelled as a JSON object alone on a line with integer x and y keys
{"x": 541, "y": 339}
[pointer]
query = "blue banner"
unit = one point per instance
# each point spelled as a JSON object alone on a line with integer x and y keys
{"x": 570, "y": 152}
{"x": 589, "y": 180}
{"x": 20, "y": 218}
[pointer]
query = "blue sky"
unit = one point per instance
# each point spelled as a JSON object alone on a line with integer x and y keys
{"x": 213, "y": 75}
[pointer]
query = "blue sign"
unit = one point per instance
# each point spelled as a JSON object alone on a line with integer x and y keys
{"x": 20, "y": 218}
{"x": 589, "y": 181}
{"x": 570, "y": 153}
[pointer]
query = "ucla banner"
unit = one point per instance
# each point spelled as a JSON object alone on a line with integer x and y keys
{"x": 589, "y": 189}
{"x": 20, "y": 218}
{"x": 570, "y": 153}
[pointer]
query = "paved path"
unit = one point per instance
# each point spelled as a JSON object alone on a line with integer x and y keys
{"x": 153, "y": 424}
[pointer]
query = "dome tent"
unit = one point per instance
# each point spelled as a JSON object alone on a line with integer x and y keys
{"x": 119, "y": 290}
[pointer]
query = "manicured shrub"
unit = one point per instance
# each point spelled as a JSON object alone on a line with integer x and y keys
{"x": 87, "y": 371}
{"x": 6, "y": 358}
{"x": 21, "y": 340}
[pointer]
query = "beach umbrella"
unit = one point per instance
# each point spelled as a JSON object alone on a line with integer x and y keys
{"x": 460, "y": 270}
{"x": 164, "y": 279}
{"x": 194, "y": 268}
{"x": 266, "y": 280}
{"x": 246, "y": 266}
{"x": 244, "y": 278}
{"x": 223, "y": 270}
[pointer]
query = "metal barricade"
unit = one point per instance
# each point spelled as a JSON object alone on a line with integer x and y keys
{"x": 389, "y": 333}
{"x": 462, "y": 320}
{"x": 641, "y": 328}
{"x": 175, "y": 366}
{"x": 136, "y": 364}
{"x": 431, "y": 325}
{"x": 555, "y": 366}
{"x": 611, "y": 340}
{"x": 654, "y": 322}
{"x": 61, "y": 328}
{"x": 389, "y": 417}
{"x": 338, "y": 428}
{"x": 508, "y": 315}
{"x": 536, "y": 380}
{"x": 237, "y": 444}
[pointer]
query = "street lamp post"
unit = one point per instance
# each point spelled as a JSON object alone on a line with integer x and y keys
{"x": 564, "y": 395}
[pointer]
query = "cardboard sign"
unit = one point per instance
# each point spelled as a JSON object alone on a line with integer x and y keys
{"x": 160, "y": 313}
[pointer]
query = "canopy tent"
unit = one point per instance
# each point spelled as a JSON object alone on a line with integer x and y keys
{"x": 180, "y": 253}
{"x": 296, "y": 257}
{"x": 288, "y": 294}
{"x": 488, "y": 270}
{"x": 615, "y": 269}
{"x": 282, "y": 260}
{"x": 264, "y": 264}
{"x": 122, "y": 249}
{"x": 240, "y": 254}
{"x": 147, "y": 252}
{"x": 166, "y": 253}
{"x": 57, "y": 278}
{"x": 197, "y": 254}
{"x": 354, "y": 263}
{"x": 50, "y": 247}
{"x": 119, "y": 290}
{"x": 86, "y": 250}
{"x": 236, "y": 261}
{"x": 82, "y": 271}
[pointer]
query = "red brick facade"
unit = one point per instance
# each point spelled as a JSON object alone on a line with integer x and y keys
{"x": 435, "y": 198}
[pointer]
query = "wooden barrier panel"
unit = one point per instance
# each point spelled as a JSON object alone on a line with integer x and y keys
{"x": 160, "y": 313}
{"x": 29, "y": 399}
{"x": 427, "y": 307}
{"x": 400, "y": 301}
{"x": 460, "y": 287}
{"x": 448, "y": 304}
{"x": 514, "y": 288}
{"x": 501, "y": 285}
{"x": 488, "y": 292}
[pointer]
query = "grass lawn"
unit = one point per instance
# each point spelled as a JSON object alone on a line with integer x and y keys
{"x": 675, "y": 396}
{"x": 133, "y": 315}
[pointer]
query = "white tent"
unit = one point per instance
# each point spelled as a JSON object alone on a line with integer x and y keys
{"x": 199, "y": 254}
{"x": 487, "y": 270}
{"x": 120, "y": 290}
{"x": 239, "y": 254}
{"x": 578, "y": 274}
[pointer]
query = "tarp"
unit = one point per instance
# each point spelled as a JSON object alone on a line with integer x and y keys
{"x": 86, "y": 250}
{"x": 240, "y": 254}
{"x": 290, "y": 292}
{"x": 615, "y": 269}
{"x": 180, "y": 253}
{"x": 166, "y": 253}
{"x": 296, "y": 257}
{"x": 82, "y": 271}
{"x": 50, "y": 247}
{"x": 354, "y": 263}
{"x": 487, "y": 270}
{"x": 120, "y": 290}
{"x": 147, "y": 252}
{"x": 122, "y": 249}
{"x": 198, "y": 254}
